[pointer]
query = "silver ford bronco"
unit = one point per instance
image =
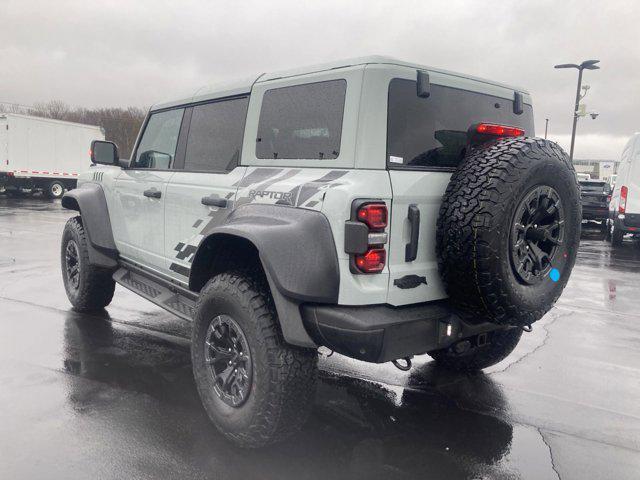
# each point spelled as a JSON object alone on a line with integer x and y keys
{"x": 378, "y": 208}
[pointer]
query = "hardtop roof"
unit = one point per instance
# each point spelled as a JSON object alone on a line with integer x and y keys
{"x": 243, "y": 86}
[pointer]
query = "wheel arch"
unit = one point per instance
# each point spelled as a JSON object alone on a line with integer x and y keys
{"x": 89, "y": 200}
{"x": 292, "y": 247}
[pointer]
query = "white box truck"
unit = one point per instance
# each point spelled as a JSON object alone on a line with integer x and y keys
{"x": 43, "y": 154}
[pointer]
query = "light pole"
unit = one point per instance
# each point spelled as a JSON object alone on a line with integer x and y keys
{"x": 586, "y": 65}
{"x": 546, "y": 127}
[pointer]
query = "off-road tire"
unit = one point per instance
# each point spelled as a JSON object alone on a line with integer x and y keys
{"x": 55, "y": 189}
{"x": 283, "y": 376}
{"x": 501, "y": 344}
{"x": 96, "y": 286}
{"x": 475, "y": 222}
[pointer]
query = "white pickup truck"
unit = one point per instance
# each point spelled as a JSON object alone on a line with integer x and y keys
{"x": 43, "y": 154}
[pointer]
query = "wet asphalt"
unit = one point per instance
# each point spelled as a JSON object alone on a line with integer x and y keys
{"x": 111, "y": 396}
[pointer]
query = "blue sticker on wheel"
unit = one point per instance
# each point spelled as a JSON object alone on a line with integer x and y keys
{"x": 554, "y": 274}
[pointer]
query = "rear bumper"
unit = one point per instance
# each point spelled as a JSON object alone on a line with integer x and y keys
{"x": 630, "y": 223}
{"x": 595, "y": 213}
{"x": 381, "y": 333}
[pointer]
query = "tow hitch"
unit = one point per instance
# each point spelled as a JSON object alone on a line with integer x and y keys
{"x": 407, "y": 365}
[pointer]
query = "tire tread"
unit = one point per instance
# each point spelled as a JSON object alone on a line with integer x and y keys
{"x": 291, "y": 370}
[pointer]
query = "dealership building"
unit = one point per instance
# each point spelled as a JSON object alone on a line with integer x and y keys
{"x": 602, "y": 169}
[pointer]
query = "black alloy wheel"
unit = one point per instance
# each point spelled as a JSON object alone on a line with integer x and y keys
{"x": 537, "y": 231}
{"x": 72, "y": 264}
{"x": 228, "y": 357}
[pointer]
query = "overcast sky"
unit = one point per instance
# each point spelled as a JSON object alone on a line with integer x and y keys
{"x": 119, "y": 53}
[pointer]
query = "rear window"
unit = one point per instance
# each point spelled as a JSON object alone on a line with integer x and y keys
{"x": 598, "y": 187}
{"x": 302, "y": 121}
{"x": 432, "y": 132}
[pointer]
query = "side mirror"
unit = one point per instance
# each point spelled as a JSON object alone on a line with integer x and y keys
{"x": 104, "y": 153}
{"x": 153, "y": 159}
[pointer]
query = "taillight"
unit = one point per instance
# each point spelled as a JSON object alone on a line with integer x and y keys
{"x": 499, "y": 130}
{"x": 374, "y": 215}
{"x": 365, "y": 236}
{"x": 372, "y": 261}
{"x": 623, "y": 199}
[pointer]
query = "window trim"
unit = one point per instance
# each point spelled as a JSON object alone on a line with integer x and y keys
{"x": 180, "y": 165}
{"x": 341, "y": 129}
{"x": 143, "y": 129}
{"x": 428, "y": 168}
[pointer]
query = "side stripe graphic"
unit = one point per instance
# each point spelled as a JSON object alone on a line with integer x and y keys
{"x": 287, "y": 175}
{"x": 309, "y": 189}
{"x": 258, "y": 175}
{"x": 179, "y": 269}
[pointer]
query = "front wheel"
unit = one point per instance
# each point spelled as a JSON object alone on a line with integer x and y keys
{"x": 255, "y": 388}
{"x": 499, "y": 344}
{"x": 89, "y": 288}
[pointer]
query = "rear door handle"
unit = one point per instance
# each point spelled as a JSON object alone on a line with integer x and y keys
{"x": 411, "y": 249}
{"x": 214, "y": 201}
{"x": 152, "y": 193}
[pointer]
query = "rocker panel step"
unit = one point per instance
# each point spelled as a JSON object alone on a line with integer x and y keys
{"x": 172, "y": 298}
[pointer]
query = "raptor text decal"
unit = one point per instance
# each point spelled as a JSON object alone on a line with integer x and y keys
{"x": 282, "y": 197}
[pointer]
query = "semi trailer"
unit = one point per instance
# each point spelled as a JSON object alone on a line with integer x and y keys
{"x": 43, "y": 154}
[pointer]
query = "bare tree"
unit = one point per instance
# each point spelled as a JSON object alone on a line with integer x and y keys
{"x": 120, "y": 125}
{"x": 55, "y": 109}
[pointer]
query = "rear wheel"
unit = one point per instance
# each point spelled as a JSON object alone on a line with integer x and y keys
{"x": 616, "y": 235}
{"x": 255, "y": 388}
{"x": 499, "y": 344}
{"x": 55, "y": 189}
{"x": 89, "y": 288}
{"x": 508, "y": 231}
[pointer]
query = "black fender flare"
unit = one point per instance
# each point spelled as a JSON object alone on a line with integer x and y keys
{"x": 298, "y": 255}
{"x": 89, "y": 200}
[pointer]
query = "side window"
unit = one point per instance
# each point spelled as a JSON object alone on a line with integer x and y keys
{"x": 157, "y": 147}
{"x": 302, "y": 121}
{"x": 432, "y": 132}
{"x": 215, "y": 135}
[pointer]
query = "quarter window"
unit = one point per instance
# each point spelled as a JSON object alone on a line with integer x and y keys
{"x": 215, "y": 135}
{"x": 157, "y": 148}
{"x": 302, "y": 121}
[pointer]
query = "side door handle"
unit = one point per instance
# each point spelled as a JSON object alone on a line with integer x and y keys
{"x": 152, "y": 193}
{"x": 411, "y": 249}
{"x": 214, "y": 201}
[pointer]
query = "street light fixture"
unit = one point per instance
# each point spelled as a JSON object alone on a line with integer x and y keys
{"x": 586, "y": 65}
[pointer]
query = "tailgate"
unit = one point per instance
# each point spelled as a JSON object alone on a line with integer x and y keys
{"x": 594, "y": 200}
{"x": 422, "y": 192}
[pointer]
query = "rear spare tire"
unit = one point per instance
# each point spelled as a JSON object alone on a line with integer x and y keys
{"x": 500, "y": 343}
{"x": 508, "y": 230}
